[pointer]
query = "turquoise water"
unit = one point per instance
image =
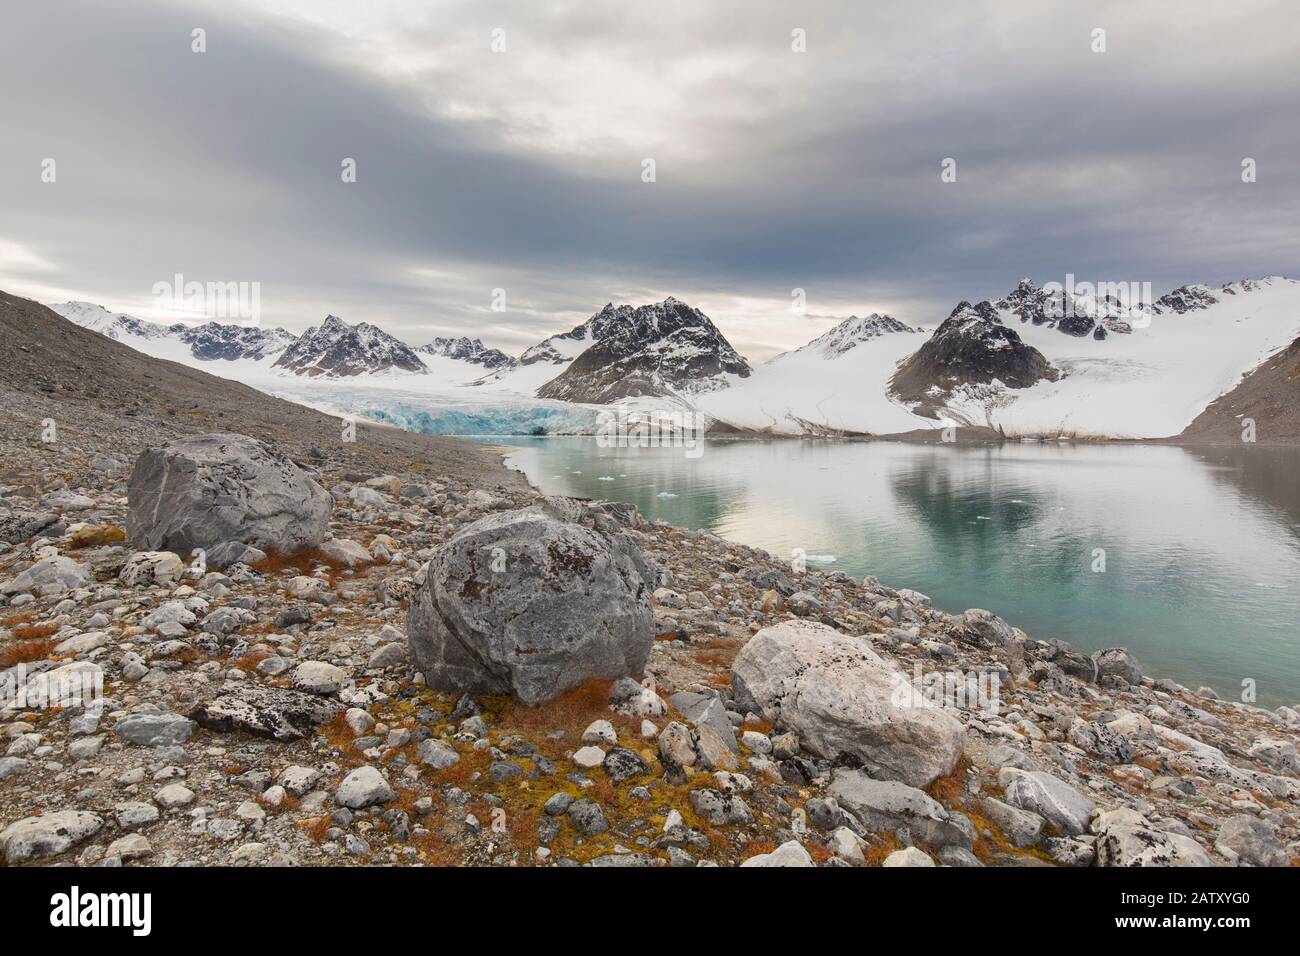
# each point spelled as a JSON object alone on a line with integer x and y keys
{"x": 1201, "y": 546}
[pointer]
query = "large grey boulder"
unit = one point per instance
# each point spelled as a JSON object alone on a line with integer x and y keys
{"x": 987, "y": 627}
{"x": 1117, "y": 662}
{"x": 1050, "y": 797}
{"x": 843, "y": 700}
{"x": 154, "y": 730}
{"x": 364, "y": 787}
{"x": 524, "y": 603}
{"x": 209, "y": 490}
{"x": 53, "y": 575}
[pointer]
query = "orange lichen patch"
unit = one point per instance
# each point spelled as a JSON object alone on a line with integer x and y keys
{"x": 339, "y": 735}
{"x": 300, "y": 562}
{"x": 677, "y": 797}
{"x": 248, "y": 663}
{"x": 756, "y": 847}
{"x": 24, "y": 652}
{"x": 288, "y": 804}
{"x": 950, "y": 789}
{"x": 31, "y": 632}
{"x": 96, "y": 536}
{"x": 819, "y": 853}
{"x": 315, "y": 827}
{"x": 991, "y": 843}
{"x": 878, "y": 849}
{"x": 716, "y": 658}
{"x": 572, "y": 712}
{"x": 461, "y": 774}
{"x": 439, "y": 845}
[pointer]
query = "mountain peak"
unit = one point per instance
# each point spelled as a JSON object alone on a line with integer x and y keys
{"x": 337, "y": 349}
{"x": 972, "y": 348}
{"x": 465, "y": 349}
{"x": 854, "y": 331}
{"x": 649, "y": 350}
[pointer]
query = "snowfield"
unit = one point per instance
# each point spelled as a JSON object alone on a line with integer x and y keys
{"x": 814, "y": 391}
{"x": 1152, "y": 382}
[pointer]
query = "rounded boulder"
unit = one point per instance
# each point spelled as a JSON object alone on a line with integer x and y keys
{"x": 527, "y": 604}
{"x": 209, "y": 490}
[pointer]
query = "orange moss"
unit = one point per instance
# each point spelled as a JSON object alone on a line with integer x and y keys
{"x": 573, "y": 711}
{"x": 879, "y": 848}
{"x": 248, "y": 663}
{"x": 299, "y": 563}
{"x": 96, "y": 536}
{"x": 338, "y": 733}
{"x": 30, "y": 632}
{"x": 26, "y": 652}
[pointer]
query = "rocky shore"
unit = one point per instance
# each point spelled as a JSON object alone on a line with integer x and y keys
{"x": 264, "y": 709}
{"x": 675, "y": 699}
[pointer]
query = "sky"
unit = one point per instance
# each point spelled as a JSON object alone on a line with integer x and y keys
{"x": 503, "y": 146}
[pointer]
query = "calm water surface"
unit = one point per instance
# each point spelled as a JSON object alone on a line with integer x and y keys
{"x": 1201, "y": 546}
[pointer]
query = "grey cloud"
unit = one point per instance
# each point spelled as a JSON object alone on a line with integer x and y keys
{"x": 823, "y": 175}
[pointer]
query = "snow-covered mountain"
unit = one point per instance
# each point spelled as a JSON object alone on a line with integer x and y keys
{"x": 1035, "y": 363}
{"x": 336, "y": 349}
{"x": 1181, "y": 353}
{"x": 1072, "y": 313}
{"x": 969, "y": 353}
{"x": 851, "y": 333}
{"x": 465, "y": 349}
{"x": 664, "y": 349}
{"x": 835, "y": 384}
{"x": 115, "y": 325}
{"x": 209, "y": 342}
{"x": 214, "y": 341}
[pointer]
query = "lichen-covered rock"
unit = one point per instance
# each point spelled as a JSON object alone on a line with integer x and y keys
{"x": 34, "y": 838}
{"x": 1100, "y": 740}
{"x": 842, "y": 699}
{"x": 266, "y": 711}
{"x": 1130, "y": 845}
{"x": 209, "y": 490}
{"x": 525, "y": 604}
{"x": 154, "y": 730}
{"x": 987, "y": 627}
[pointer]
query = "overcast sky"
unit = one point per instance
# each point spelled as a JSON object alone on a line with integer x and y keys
{"x": 522, "y": 169}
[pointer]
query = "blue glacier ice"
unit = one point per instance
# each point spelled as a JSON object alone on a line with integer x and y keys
{"x": 514, "y": 418}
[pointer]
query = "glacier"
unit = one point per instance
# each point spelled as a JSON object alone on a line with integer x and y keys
{"x": 516, "y": 418}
